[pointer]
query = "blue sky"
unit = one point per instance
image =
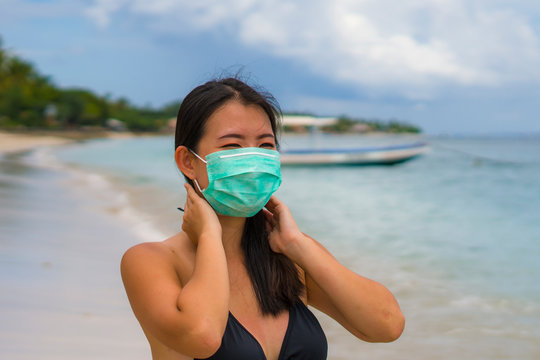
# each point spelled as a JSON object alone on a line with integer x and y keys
{"x": 449, "y": 66}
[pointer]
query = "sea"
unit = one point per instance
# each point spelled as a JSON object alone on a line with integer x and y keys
{"x": 454, "y": 233}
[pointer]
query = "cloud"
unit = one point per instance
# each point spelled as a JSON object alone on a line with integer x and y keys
{"x": 412, "y": 48}
{"x": 102, "y": 10}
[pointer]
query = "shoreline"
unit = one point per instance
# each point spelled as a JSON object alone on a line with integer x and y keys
{"x": 21, "y": 141}
{"x": 61, "y": 295}
{"x": 13, "y": 141}
{"x": 121, "y": 202}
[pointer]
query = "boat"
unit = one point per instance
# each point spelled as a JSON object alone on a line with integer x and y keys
{"x": 374, "y": 155}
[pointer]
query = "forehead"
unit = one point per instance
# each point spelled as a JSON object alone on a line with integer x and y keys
{"x": 237, "y": 117}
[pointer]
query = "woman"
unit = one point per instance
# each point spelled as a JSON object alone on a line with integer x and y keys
{"x": 234, "y": 284}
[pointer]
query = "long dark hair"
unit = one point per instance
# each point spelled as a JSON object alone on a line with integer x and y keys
{"x": 274, "y": 277}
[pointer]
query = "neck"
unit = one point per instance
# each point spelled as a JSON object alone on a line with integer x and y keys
{"x": 232, "y": 230}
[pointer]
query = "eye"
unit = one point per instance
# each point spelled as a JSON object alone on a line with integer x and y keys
{"x": 233, "y": 145}
{"x": 268, "y": 145}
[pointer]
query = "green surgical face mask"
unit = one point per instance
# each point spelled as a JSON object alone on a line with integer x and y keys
{"x": 241, "y": 181}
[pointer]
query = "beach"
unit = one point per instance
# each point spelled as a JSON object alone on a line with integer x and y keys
{"x": 16, "y": 142}
{"x": 454, "y": 236}
{"x": 61, "y": 295}
{"x": 11, "y": 143}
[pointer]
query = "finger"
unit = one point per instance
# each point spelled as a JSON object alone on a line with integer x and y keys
{"x": 269, "y": 227}
{"x": 186, "y": 186}
{"x": 192, "y": 196}
{"x": 272, "y": 204}
{"x": 186, "y": 205}
{"x": 269, "y": 216}
{"x": 189, "y": 188}
{"x": 270, "y": 223}
{"x": 195, "y": 195}
{"x": 188, "y": 202}
{"x": 267, "y": 213}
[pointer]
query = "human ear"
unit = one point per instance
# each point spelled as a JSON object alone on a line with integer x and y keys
{"x": 184, "y": 161}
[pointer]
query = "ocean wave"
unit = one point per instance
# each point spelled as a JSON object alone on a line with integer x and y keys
{"x": 106, "y": 194}
{"x": 496, "y": 305}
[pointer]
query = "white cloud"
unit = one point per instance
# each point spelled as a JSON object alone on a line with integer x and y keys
{"x": 412, "y": 47}
{"x": 102, "y": 10}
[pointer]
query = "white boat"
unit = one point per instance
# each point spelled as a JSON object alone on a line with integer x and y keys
{"x": 375, "y": 155}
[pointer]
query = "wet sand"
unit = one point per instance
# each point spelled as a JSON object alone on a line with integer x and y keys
{"x": 61, "y": 295}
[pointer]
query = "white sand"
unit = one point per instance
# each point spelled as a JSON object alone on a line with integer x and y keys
{"x": 17, "y": 142}
{"x": 10, "y": 143}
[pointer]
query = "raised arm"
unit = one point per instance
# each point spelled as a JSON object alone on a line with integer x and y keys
{"x": 190, "y": 319}
{"x": 364, "y": 307}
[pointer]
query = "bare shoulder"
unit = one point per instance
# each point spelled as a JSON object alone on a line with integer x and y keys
{"x": 173, "y": 255}
{"x": 145, "y": 253}
{"x": 154, "y": 274}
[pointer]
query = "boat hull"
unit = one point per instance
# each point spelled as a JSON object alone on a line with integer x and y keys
{"x": 384, "y": 155}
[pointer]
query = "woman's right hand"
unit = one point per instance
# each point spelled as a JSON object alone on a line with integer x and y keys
{"x": 186, "y": 313}
{"x": 199, "y": 217}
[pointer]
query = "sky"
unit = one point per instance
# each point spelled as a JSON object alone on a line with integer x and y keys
{"x": 447, "y": 66}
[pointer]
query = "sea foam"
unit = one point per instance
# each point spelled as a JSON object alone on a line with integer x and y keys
{"x": 102, "y": 192}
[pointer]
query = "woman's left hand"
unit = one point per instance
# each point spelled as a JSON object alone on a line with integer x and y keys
{"x": 284, "y": 233}
{"x": 364, "y": 307}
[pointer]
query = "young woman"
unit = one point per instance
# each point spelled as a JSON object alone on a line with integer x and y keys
{"x": 234, "y": 284}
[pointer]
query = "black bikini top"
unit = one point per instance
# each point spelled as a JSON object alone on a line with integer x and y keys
{"x": 304, "y": 339}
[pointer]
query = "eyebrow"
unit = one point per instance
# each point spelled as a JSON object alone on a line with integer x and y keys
{"x": 239, "y": 136}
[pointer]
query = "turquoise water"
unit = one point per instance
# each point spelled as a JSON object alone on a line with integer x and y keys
{"x": 454, "y": 233}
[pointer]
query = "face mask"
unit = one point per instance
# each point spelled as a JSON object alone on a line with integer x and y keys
{"x": 241, "y": 181}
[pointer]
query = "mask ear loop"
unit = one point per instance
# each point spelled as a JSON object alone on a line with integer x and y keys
{"x": 204, "y": 161}
{"x": 198, "y": 187}
{"x": 200, "y": 158}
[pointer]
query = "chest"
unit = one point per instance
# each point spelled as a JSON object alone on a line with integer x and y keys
{"x": 303, "y": 339}
{"x": 267, "y": 331}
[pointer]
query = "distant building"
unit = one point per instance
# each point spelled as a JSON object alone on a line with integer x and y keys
{"x": 171, "y": 125}
{"x": 361, "y": 128}
{"x": 295, "y": 121}
{"x": 115, "y": 125}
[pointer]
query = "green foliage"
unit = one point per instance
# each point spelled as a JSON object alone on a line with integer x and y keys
{"x": 24, "y": 93}
{"x": 145, "y": 118}
{"x": 345, "y": 124}
{"x": 392, "y": 126}
{"x": 342, "y": 125}
{"x": 30, "y": 100}
{"x": 79, "y": 107}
